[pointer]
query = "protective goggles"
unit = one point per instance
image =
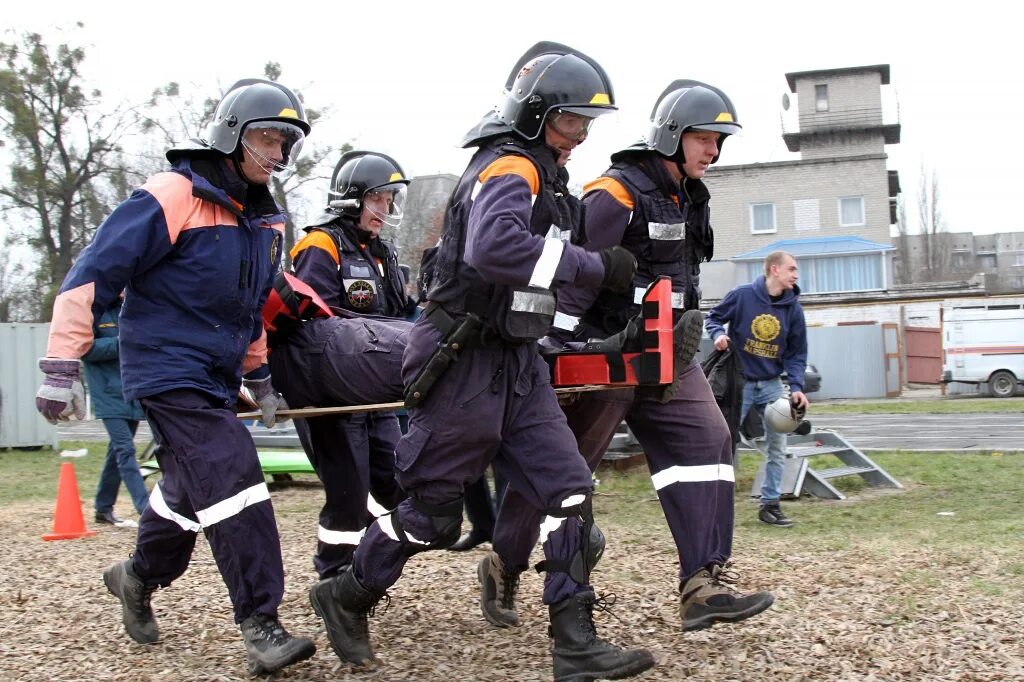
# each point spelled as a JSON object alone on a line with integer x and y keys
{"x": 569, "y": 125}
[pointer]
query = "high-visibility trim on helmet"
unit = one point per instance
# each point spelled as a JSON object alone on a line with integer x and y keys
{"x": 724, "y": 117}
{"x": 289, "y": 113}
{"x": 601, "y": 98}
{"x": 395, "y": 177}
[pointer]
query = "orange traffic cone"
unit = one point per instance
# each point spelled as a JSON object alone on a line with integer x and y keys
{"x": 68, "y": 522}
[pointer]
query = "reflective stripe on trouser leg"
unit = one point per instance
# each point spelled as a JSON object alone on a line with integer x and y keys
{"x": 211, "y": 479}
{"x": 542, "y": 464}
{"x": 689, "y": 453}
{"x": 593, "y": 419}
{"x": 337, "y": 449}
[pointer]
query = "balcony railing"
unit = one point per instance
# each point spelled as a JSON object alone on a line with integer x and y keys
{"x": 848, "y": 119}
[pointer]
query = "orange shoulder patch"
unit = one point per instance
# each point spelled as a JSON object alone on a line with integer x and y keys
{"x": 514, "y": 165}
{"x": 316, "y": 240}
{"x": 613, "y": 187}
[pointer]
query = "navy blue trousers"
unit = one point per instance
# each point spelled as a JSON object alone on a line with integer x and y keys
{"x": 337, "y": 362}
{"x": 494, "y": 404}
{"x": 689, "y": 454}
{"x": 211, "y": 481}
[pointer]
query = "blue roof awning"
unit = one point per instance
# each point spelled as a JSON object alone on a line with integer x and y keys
{"x": 818, "y": 246}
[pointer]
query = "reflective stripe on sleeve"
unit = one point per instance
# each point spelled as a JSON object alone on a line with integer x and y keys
{"x": 555, "y": 232}
{"x": 566, "y": 322}
{"x": 544, "y": 270}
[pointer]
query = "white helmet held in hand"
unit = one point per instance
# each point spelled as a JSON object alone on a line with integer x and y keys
{"x": 782, "y": 416}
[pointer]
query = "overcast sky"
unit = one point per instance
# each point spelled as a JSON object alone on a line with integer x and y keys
{"x": 410, "y": 78}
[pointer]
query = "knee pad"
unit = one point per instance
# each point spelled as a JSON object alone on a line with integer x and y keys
{"x": 446, "y": 519}
{"x": 592, "y": 544}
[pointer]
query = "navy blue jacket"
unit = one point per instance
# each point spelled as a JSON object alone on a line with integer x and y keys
{"x": 770, "y": 335}
{"x": 196, "y": 265}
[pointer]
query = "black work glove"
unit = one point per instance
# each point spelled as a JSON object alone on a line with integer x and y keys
{"x": 619, "y": 268}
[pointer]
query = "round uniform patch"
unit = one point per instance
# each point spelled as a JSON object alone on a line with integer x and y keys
{"x": 360, "y": 294}
{"x": 765, "y": 327}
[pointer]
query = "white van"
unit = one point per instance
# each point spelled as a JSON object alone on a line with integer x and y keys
{"x": 983, "y": 343}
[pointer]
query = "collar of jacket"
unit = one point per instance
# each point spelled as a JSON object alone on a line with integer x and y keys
{"x": 212, "y": 182}
{"x": 695, "y": 191}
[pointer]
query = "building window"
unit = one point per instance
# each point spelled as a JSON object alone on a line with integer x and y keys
{"x": 987, "y": 262}
{"x": 834, "y": 273}
{"x": 762, "y": 218}
{"x": 851, "y": 211}
{"x": 806, "y": 214}
{"x": 1018, "y": 259}
{"x": 821, "y": 98}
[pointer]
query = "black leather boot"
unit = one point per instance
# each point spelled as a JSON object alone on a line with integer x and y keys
{"x": 344, "y": 605}
{"x": 468, "y": 541}
{"x": 577, "y": 651}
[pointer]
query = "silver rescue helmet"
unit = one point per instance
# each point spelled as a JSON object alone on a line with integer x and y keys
{"x": 690, "y": 105}
{"x": 255, "y": 104}
{"x": 783, "y": 416}
{"x": 552, "y": 78}
{"x": 686, "y": 105}
{"x": 360, "y": 173}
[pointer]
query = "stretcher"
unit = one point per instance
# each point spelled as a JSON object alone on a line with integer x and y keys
{"x": 571, "y": 372}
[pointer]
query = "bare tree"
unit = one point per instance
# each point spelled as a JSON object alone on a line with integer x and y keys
{"x": 172, "y": 115}
{"x": 904, "y": 273}
{"x": 67, "y": 168}
{"x": 312, "y": 166}
{"x": 18, "y": 296}
{"x": 937, "y": 254}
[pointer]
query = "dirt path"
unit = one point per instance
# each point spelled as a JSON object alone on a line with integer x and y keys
{"x": 857, "y": 613}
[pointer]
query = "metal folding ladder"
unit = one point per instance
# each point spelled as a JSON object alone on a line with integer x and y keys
{"x": 798, "y": 477}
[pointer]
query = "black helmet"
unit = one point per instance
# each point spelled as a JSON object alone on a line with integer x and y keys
{"x": 251, "y": 103}
{"x": 553, "y": 76}
{"x": 361, "y": 172}
{"x": 689, "y": 105}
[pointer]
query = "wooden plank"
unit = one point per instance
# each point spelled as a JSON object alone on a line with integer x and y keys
{"x": 306, "y": 412}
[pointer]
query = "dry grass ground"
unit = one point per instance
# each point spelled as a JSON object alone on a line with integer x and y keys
{"x": 899, "y": 603}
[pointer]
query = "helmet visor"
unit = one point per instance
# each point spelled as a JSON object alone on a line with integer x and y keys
{"x": 723, "y": 128}
{"x": 588, "y": 111}
{"x": 571, "y": 125}
{"x": 387, "y": 202}
{"x": 275, "y": 145}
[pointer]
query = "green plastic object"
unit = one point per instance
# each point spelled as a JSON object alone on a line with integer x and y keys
{"x": 271, "y": 461}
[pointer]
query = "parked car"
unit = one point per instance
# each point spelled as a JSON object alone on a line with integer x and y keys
{"x": 812, "y": 379}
